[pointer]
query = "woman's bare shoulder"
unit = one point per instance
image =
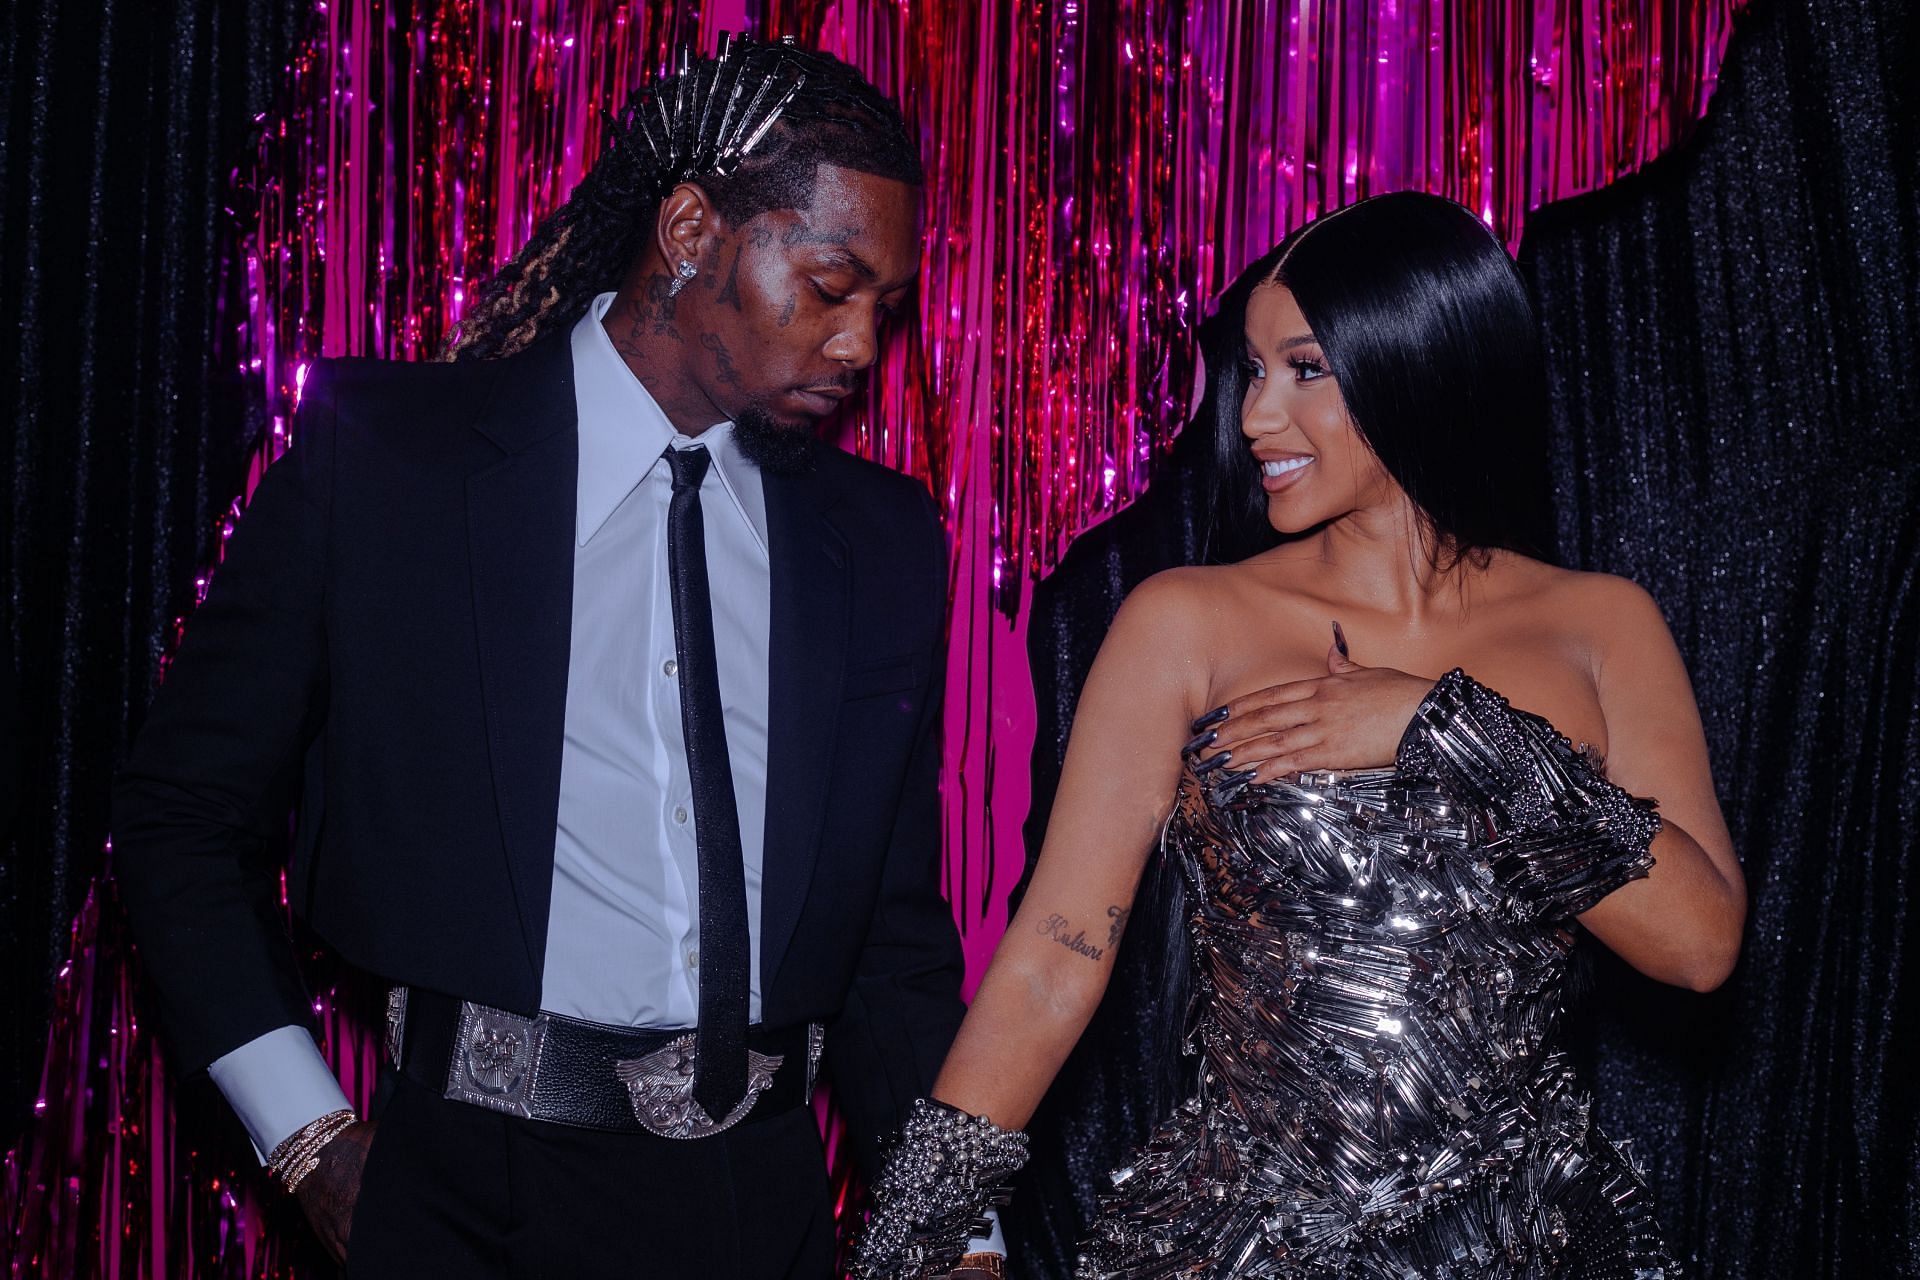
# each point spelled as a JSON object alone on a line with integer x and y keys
{"x": 1188, "y": 587}
{"x": 1599, "y": 612}
{"x": 1199, "y": 597}
{"x": 1537, "y": 583}
{"x": 1604, "y": 602}
{"x": 1172, "y": 604}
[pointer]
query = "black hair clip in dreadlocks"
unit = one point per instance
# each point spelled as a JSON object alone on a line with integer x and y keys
{"x": 713, "y": 112}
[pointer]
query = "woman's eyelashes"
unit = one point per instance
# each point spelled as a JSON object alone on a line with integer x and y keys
{"x": 1307, "y": 368}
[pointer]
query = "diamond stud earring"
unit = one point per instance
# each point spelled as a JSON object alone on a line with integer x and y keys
{"x": 687, "y": 271}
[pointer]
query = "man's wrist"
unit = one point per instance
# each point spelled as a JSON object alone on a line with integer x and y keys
{"x": 299, "y": 1155}
{"x": 277, "y": 1084}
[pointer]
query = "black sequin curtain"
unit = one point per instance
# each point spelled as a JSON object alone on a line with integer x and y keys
{"x": 1732, "y": 344}
{"x": 124, "y": 416}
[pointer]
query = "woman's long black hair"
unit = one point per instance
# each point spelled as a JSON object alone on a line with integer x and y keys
{"x": 1426, "y": 323}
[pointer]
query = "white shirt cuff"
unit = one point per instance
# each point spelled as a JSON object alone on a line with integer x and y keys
{"x": 995, "y": 1241}
{"x": 277, "y": 1083}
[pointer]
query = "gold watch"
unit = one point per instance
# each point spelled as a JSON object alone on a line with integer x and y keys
{"x": 991, "y": 1264}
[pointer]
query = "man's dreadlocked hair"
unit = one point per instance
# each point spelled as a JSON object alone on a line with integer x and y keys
{"x": 750, "y": 125}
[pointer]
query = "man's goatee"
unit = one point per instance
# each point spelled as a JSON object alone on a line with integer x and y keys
{"x": 776, "y": 449}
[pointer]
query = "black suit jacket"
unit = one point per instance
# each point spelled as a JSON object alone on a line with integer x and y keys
{"x": 388, "y": 636}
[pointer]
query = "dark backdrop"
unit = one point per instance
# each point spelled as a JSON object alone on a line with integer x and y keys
{"x": 1731, "y": 337}
{"x": 120, "y": 124}
{"x": 1733, "y": 344}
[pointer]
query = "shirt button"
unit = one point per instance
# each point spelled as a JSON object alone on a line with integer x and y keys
{"x": 670, "y": 667}
{"x": 693, "y": 959}
{"x": 680, "y": 815}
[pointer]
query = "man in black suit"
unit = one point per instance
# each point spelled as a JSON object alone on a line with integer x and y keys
{"x": 612, "y": 704}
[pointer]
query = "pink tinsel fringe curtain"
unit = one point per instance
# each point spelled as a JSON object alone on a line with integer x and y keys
{"x": 1097, "y": 171}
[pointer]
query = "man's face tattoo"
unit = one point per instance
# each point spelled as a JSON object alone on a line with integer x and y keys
{"x": 784, "y": 317}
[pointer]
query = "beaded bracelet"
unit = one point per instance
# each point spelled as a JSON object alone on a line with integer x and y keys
{"x": 299, "y": 1153}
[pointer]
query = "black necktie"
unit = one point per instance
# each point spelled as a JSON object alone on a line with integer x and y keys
{"x": 720, "y": 1064}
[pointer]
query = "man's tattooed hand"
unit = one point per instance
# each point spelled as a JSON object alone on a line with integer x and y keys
{"x": 329, "y": 1193}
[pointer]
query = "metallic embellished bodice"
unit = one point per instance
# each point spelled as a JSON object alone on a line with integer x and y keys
{"x": 1380, "y": 1091}
{"x": 1367, "y": 1000}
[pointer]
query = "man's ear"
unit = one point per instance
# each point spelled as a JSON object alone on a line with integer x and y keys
{"x": 686, "y": 226}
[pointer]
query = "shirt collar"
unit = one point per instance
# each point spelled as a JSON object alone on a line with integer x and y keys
{"x": 623, "y": 432}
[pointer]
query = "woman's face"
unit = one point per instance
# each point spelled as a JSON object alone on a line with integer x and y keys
{"x": 1315, "y": 466}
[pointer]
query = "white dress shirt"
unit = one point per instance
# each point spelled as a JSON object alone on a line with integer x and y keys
{"x": 623, "y": 929}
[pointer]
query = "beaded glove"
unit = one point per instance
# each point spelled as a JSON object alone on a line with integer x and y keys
{"x": 940, "y": 1175}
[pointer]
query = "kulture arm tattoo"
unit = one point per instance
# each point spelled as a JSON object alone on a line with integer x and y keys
{"x": 1061, "y": 930}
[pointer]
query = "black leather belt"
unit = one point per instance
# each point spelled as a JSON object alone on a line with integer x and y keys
{"x": 587, "y": 1074}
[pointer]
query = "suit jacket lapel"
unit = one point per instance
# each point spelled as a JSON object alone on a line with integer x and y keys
{"x": 520, "y": 529}
{"x": 808, "y": 665}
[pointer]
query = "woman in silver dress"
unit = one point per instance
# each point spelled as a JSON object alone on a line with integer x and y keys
{"x": 1385, "y": 857}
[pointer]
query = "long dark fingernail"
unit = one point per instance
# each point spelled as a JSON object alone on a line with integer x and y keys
{"x": 1340, "y": 641}
{"x": 1200, "y": 741}
{"x": 1224, "y": 787}
{"x": 1210, "y": 719}
{"x": 1213, "y": 762}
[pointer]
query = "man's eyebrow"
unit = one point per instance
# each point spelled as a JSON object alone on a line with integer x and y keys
{"x": 852, "y": 261}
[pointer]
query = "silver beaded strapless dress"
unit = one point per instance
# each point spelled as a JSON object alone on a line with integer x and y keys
{"x": 1381, "y": 962}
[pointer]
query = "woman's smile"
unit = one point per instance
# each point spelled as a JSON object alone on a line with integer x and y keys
{"x": 1281, "y": 473}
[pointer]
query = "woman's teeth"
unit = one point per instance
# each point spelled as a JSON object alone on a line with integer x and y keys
{"x": 1281, "y": 468}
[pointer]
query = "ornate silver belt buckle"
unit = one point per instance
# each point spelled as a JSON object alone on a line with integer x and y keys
{"x": 495, "y": 1057}
{"x": 660, "y": 1087}
{"x": 396, "y": 1023}
{"x": 816, "y": 1044}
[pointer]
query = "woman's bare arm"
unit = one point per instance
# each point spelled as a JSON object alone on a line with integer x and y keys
{"x": 1116, "y": 791}
{"x": 1682, "y": 923}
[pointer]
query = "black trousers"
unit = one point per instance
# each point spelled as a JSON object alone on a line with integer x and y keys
{"x": 456, "y": 1190}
